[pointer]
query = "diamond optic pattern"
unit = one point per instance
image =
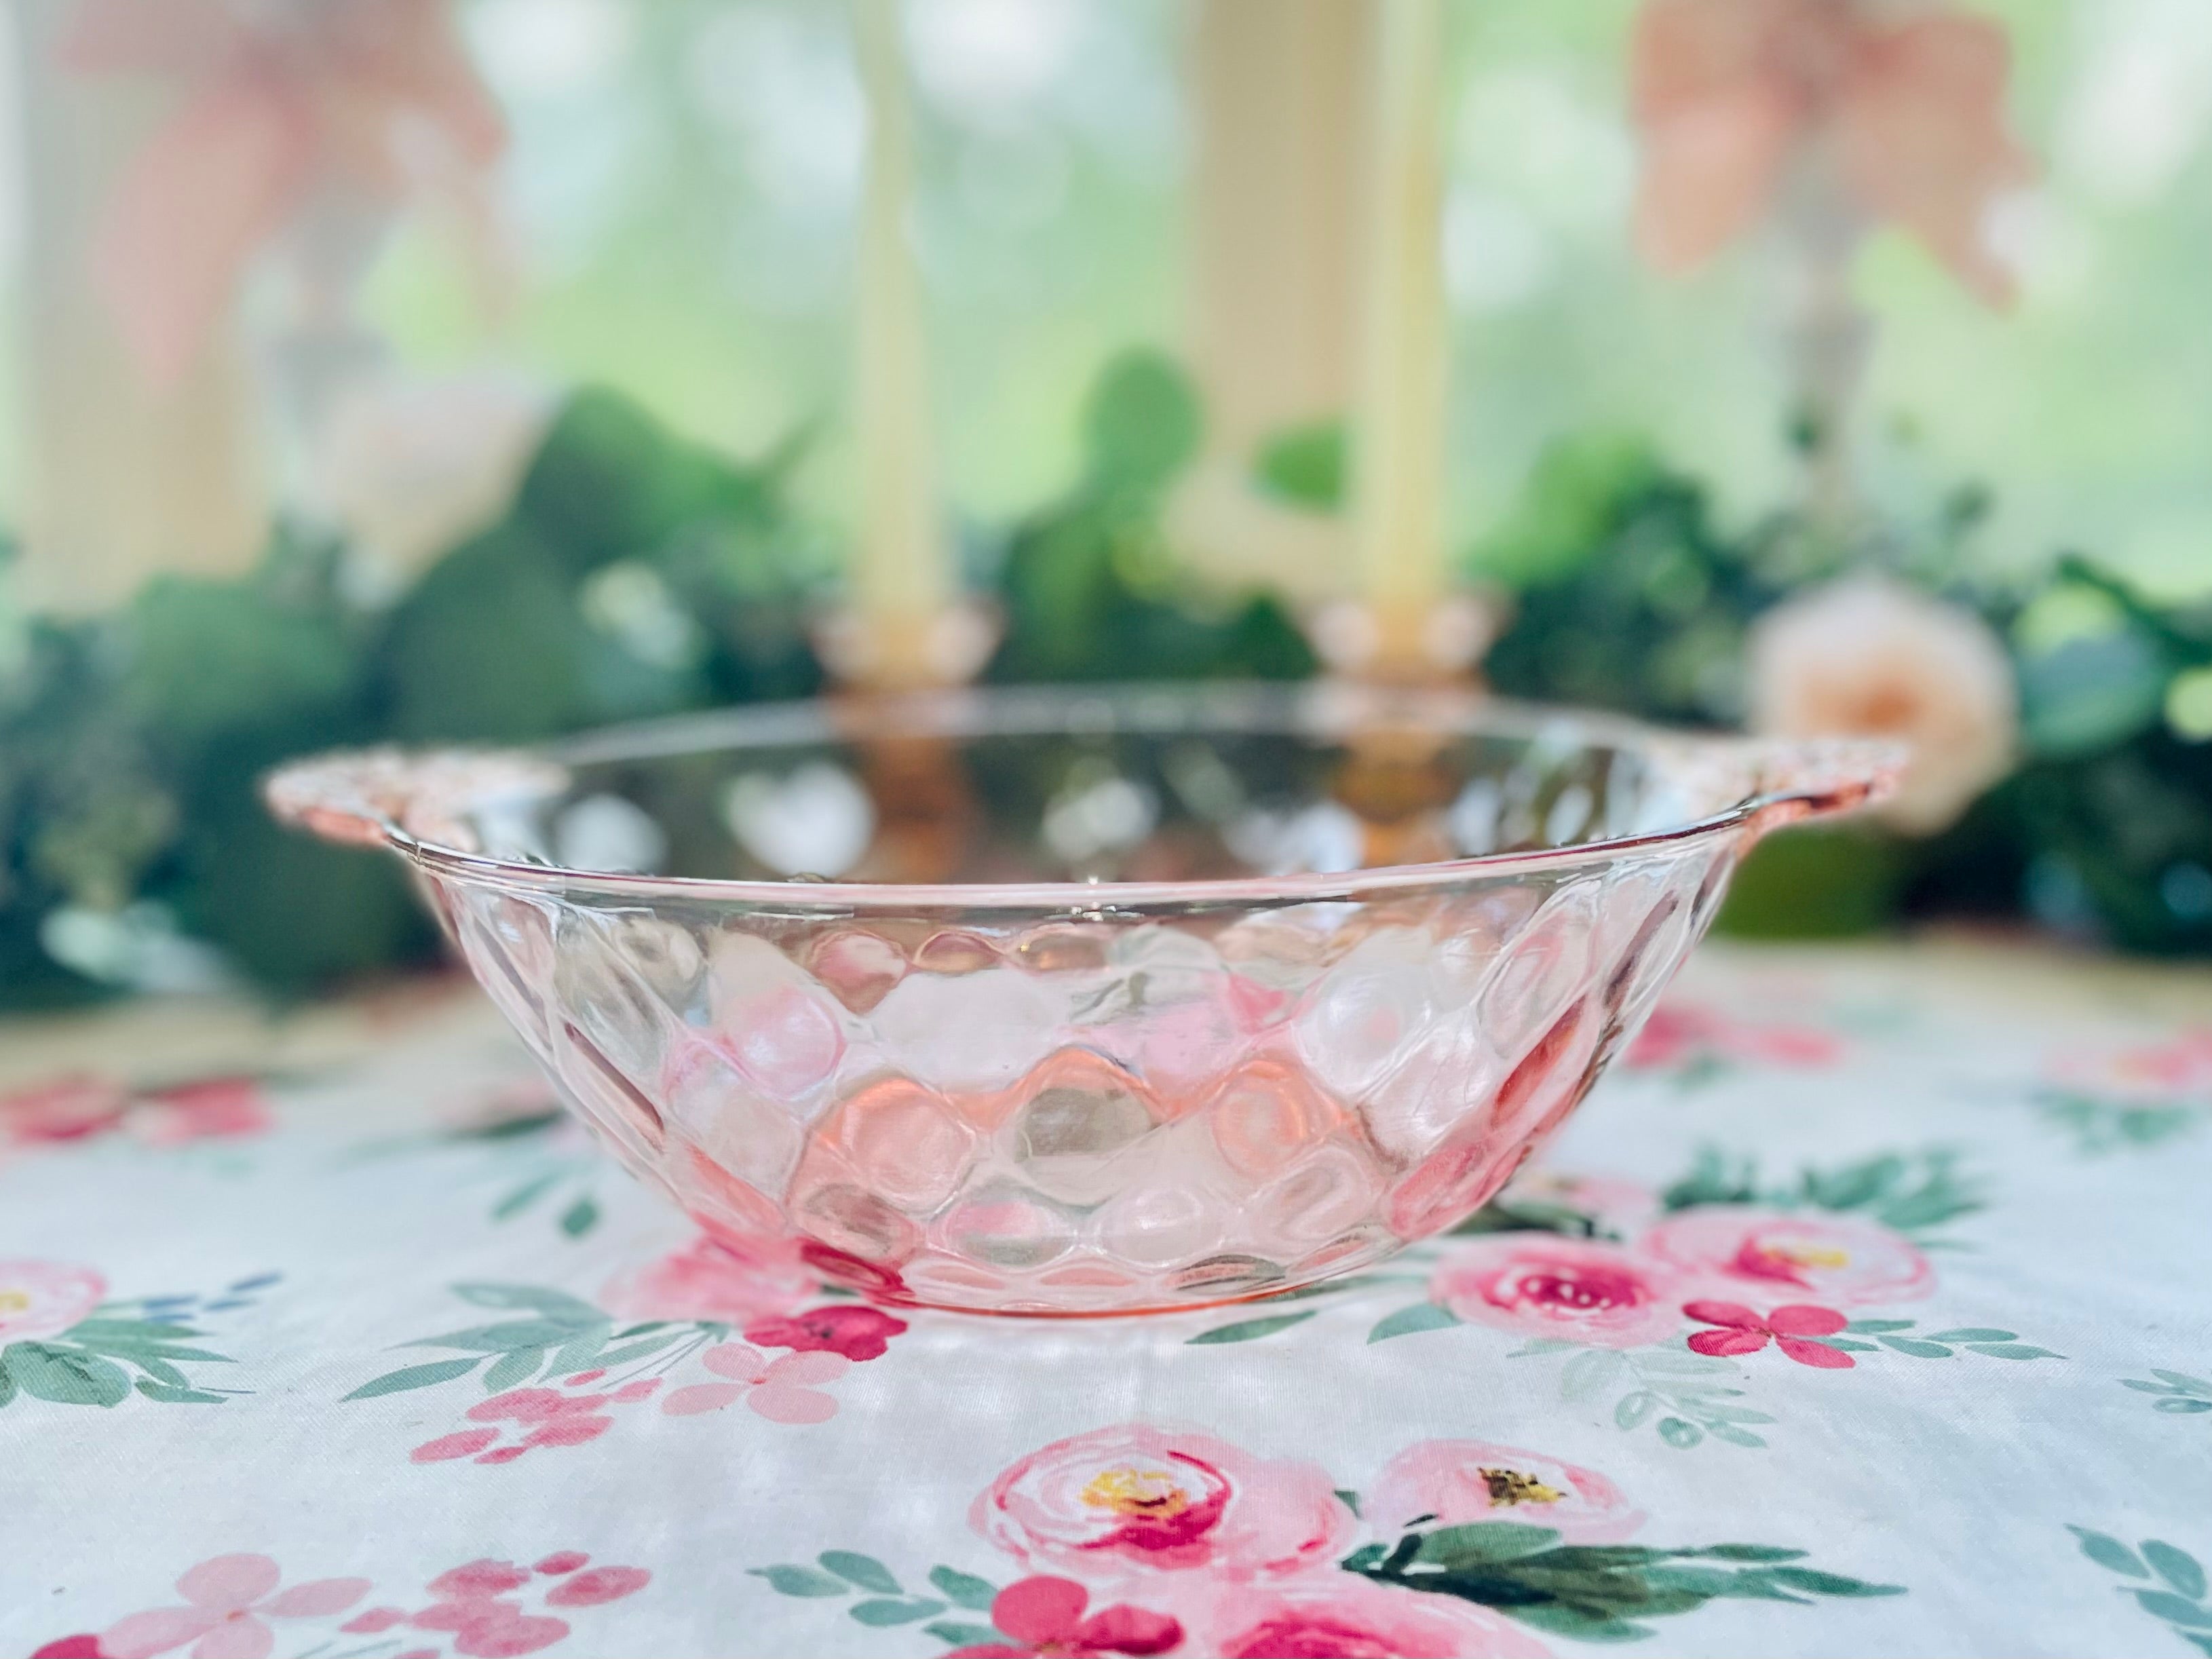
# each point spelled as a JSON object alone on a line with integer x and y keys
{"x": 988, "y": 1057}
{"x": 1090, "y": 1117}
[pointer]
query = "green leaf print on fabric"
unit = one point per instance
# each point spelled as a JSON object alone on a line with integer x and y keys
{"x": 1911, "y": 1194}
{"x": 2180, "y": 1394}
{"x": 2164, "y": 1581}
{"x": 61, "y": 1344}
{"x": 883, "y": 1603}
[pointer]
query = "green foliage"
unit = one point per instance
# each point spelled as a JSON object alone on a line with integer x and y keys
{"x": 1093, "y": 590}
{"x": 840, "y": 1572}
{"x": 1250, "y": 1330}
{"x": 2175, "y": 1588}
{"x": 634, "y": 575}
{"x": 91, "y": 1362}
{"x": 1306, "y": 467}
{"x": 2180, "y": 1394}
{"x": 1627, "y": 594}
{"x": 1593, "y": 1593}
{"x": 1913, "y": 1195}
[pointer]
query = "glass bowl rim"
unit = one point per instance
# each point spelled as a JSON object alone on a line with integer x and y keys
{"x": 1797, "y": 778}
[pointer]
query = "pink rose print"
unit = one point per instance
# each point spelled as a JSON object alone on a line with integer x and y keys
{"x": 1743, "y": 1331}
{"x": 1138, "y": 1496}
{"x": 84, "y": 1645}
{"x": 714, "y": 1279}
{"x": 228, "y": 1601}
{"x": 1342, "y": 1616}
{"x": 858, "y": 1334}
{"x": 781, "y": 1390}
{"x": 1572, "y": 1290}
{"x": 1681, "y": 1035}
{"x": 1456, "y": 1482}
{"x": 1046, "y": 1616}
{"x": 1840, "y": 1259}
{"x": 45, "y": 1298}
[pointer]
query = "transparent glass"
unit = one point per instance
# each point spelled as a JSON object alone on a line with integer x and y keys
{"x": 1082, "y": 1001}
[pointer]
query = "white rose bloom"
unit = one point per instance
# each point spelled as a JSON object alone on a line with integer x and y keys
{"x": 409, "y": 467}
{"x": 1869, "y": 657}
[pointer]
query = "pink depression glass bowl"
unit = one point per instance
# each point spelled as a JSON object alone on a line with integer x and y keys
{"x": 1082, "y": 1001}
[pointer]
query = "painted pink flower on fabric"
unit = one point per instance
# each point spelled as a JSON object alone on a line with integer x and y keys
{"x": 1137, "y": 1496}
{"x": 2180, "y": 1069}
{"x": 714, "y": 1279}
{"x": 544, "y": 1417}
{"x": 481, "y": 1603}
{"x": 212, "y": 1109}
{"x": 1681, "y": 1033}
{"x": 1571, "y": 1289}
{"x": 1841, "y": 1260}
{"x": 228, "y": 1601}
{"x": 1047, "y": 1618}
{"x": 1341, "y": 1615}
{"x": 859, "y": 1333}
{"x": 1457, "y": 1482}
{"x": 45, "y": 1298}
{"x": 782, "y": 1390}
{"x": 477, "y": 1607}
{"x": 1743, "y": 1330}
{"x": 62, "y": 1108}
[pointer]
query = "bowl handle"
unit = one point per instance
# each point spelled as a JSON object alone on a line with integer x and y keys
{"x": 1819, "y": 777}
{"x": 392, "y": 798}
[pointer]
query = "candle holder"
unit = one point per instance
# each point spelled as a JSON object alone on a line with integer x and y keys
{"x": 922, "y": 799}
{"x": 1396, "y": 781}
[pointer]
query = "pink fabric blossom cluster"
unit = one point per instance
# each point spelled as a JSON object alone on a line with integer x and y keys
{"x": 482, "y": 1606}
{"x": 1755, "y": 1274}
{"x": 85, "y": 1108}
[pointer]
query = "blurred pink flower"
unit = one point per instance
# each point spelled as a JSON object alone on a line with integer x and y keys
{"x": 714, "y": 1279}
{"x": 782, "y": 1390}
{"x": 1838, "y": 1258}
{"x": 1907, "y": 108}
{"x": 279, "y": 101}
{"x": 1680, "y": 1034}
{"x": 1572, "y": 1290}
{"x": 1869, "y": 657}
{"x": 45, "y": 1298}
{"x": 1341, "y": 1615}
{"x": 1046, "y": 1617}
{"x": 211, "y": 1109}
{"x": 1138, "y": 1496}
{"x": 62, "y": 1108}
{"x": 228, "y": 1599}
{"x": 1457, "y": 1482}
{"x": 2180, "y": 1069}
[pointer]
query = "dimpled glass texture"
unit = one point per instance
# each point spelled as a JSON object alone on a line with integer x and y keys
{"x": 1070, "y": 1002}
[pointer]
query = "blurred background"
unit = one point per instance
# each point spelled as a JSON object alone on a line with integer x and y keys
{"x": 388, "y": 368}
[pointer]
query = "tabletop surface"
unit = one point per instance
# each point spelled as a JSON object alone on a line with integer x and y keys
{"x": 1865, "y": 1308}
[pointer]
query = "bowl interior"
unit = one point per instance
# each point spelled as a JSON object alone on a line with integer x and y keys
{"x": 1059, "y": 786}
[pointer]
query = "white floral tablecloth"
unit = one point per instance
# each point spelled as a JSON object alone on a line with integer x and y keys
{"x": 1867, "y": 1308}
